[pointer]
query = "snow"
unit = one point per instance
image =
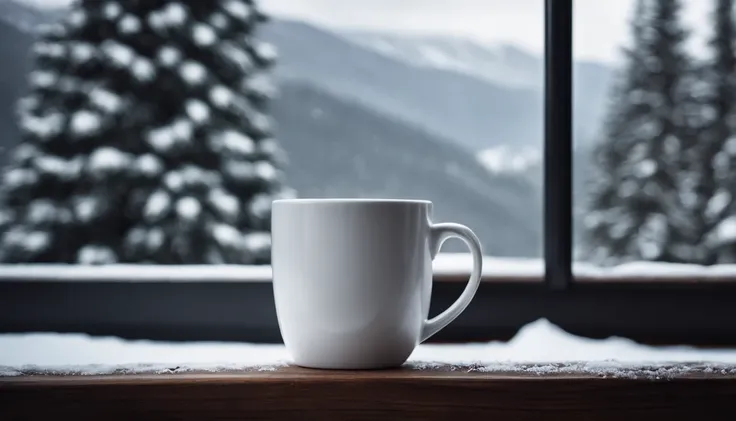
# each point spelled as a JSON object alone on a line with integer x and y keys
{"x": 221, "y": 96}
{"x": 143, "y": 69}
{"x": 653, "y": 235}
{"x": 108, "y": 159}
{"x": 155, "y": 238}
{"x": 648, "y": 129}
{"x": 25, "y": 151}
{"x": 672, "y": 145}
{"x": 260, "y": 205}
{"x": 260, "y": 84}
{"x": 85, "y": 122}
{"x": 17, "y": 177}
{"x": 227, "y": 235}
{"x": 50, "y": 49}
{"x": 32, "y": 241}
{"x": 203, "y": 35}
{"x": 232, "y": 142}
{"x": 174, "y": 181}
{"x": 269, "y": 147}
{"x": 52, "y": 29}
{"x": 82, "y": 51}
{"x": 44, "y": 127}
{"x": 260, "y": 122}
{"x": 239, "y": 170}
{"x": 646, "y": 168}
{"x": 120, "y": 54}
{"x": 721, "y": 163}
{"x": 219, "y": 21}
{"x": 194, "y": 175}
{"x": 129, "y": 24}
{"x": 718, "y": 203}
{"x": 266, "y": 51}
{"x": 86, "y": 208}
{"x": 174, "y": 14}
{"x": 112, "y": 10}
{"x": 156, "y": 21}
{"x": 59, "y": 167}
{"x": 96, "y": 255}
{"x": 730, "y": 146}
{"x": 43, "y": 79}
{"x": 157, "y": 205}
{"x": 237, "y": 9}
{"x": 169, "y": 56}
{"x": 188, "y": 208}
{"x": 36, "y": 241}
{"x": 627, "y": 188}
{"x": 183, "y": 129}
{"x": 198, "y": 111}
{"x": 236, "y": 54}
{"x": 140, "y": 238}
{"x": 41, "y": 211}
{"x": 136, "y": 236}
{"x": 435, "y": 57}
{"x": 726, "y": 230}
{"x": 28, "y": 103}
{"x": 265, "y": 171}
{"x": 225, "y": 203}
{"x": 502, "y": 159}
{"x": 192, "y": 72}
{"x": 257, "y": 241}
{"x": 106, "y": 100}
{"x": 161, "y": 139}
{"x": 77, "y": 18}
{"x": 538, "y": 348}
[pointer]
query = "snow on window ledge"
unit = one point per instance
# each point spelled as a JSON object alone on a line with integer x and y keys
{"x": 538, "y": 348}
{"x": 445, "y": 264}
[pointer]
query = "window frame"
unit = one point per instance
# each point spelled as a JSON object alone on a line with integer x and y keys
{"x": 660, "y": 310}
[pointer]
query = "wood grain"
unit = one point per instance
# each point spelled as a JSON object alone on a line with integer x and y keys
{"x": 294, "y": 393}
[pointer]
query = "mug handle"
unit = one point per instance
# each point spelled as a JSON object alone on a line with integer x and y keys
{"x": 439, "y": 233}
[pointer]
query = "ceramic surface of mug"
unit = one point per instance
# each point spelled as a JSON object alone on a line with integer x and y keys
{"x": 352, "y": 279}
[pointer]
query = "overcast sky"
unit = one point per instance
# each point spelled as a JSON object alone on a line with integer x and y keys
{"x": 601, "y": 26}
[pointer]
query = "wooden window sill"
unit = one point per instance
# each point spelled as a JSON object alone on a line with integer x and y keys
{"x": 442, "y": 392}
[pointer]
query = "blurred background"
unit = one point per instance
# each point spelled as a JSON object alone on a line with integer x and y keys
{"x": 159, "y": 131}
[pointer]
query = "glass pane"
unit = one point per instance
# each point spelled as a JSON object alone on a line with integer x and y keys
{"x": 159, "y": 131}
{"x": 655, "y": 140}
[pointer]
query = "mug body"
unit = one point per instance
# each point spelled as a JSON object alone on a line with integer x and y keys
{"x": 352, "y": 279}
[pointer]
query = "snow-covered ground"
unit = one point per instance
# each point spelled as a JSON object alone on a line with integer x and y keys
{"x": 540, "y": 346}
{"x": 503, "y": 159}
{"x": 448, "y": 264}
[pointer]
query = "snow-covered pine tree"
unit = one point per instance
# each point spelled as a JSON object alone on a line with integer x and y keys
{"x": 641, "y": 199}
{"x": 717, "y": 142}
{"x": 145, "y": 138}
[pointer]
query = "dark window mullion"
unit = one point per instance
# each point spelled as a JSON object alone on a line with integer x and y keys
{"x": 558, "y": 143}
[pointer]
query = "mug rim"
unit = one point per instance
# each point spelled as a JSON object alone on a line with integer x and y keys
{"x": 317, "y": 201}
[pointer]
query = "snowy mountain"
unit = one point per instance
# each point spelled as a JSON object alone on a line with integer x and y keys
{"x": 503, "y": 65}
{"x": 25, "y": 16}
{"x": 503, "y": 159}
{"x": 465, "y": 109}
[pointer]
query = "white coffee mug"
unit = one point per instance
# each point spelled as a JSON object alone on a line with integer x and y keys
{"x": 352, "y": 279}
